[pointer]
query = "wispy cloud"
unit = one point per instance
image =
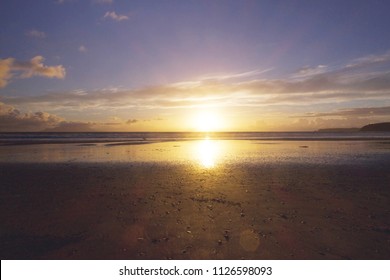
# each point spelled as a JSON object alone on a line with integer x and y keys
{"x": 67, "y": 126}
{"x": 10, "y": 68}
{"x": 64, "y": 1}
{"x": 82, "y": 49}
{"x": 103, "y": 1}
{"x": 308, "y": 71}
{"x": 369, "y": 60}
{"x": 332, "y": 86}
{"x": 36, "y": 34}
{"x": 231, "y": 76}
{"x": 115, "y": 16}
{"x": 350, "y": 112}
{"x": 362, "y": 81}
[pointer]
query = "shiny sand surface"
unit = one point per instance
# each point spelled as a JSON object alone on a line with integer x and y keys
{"x": 202, "y": 153}
{"x": 196, "y": 200}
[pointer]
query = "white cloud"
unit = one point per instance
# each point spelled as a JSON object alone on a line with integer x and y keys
{"x": 12, "y": 119}
{"x": 36, "y": 34}
{"x": 5, "y": 71}
{"x": 310, "y": 71}
{"x": 364, "y": 83}
{"x": 351, "y": 112}
{"x": 115, "y": 16}
{"x": 27, "y": 69}
{"x": 82, "y": 49}
{"x": 369, "y": 60}
{"x": 338, "y": 85}
{"x": 35, "y": 67}
{"x": 103, "y": 1}
{"x": 235, "y": 76}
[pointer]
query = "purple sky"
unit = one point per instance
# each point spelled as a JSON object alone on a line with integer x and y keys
{"x": 115, "y": 65}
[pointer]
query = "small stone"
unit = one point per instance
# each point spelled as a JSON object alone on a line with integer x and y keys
{"x": 283, "y": 216}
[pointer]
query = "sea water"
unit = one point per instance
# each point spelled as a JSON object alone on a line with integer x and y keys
{"x": 53, "y": 137}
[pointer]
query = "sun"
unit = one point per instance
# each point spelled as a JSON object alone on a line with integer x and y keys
{"x": 207, "y": 122}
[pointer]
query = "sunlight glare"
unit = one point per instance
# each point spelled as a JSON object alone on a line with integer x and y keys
{"x": 207, "y": 153}
{"x": 207, "y": 122}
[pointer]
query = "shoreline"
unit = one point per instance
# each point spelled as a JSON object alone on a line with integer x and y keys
{"x": 151, "y": 141}
{"x": 31, "y": 138}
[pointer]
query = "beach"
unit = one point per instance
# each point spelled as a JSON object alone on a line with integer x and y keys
{"x": 199, "y": 199}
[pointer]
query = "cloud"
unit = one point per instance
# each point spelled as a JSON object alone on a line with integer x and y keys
{"x": 365, "y": 80}
{"x": 351, "y": 112}
{"x": 369, "y": 60}
{"x": 12, "y": 119}
{"x": 5, "y": 71}
{"x": 314, "y": 87}
{"x": 307, "y": 71}
{"x": 66, "y": 126}
{"x": 131, "y": 121}
{"x": 323, "y": 123}
{"x": 235, "y": 76}
{"x": 64, "y": 1}
{"x": 341, "y": 118}
{"x": 36, "y": 34}
{"x": 103, "y": 1}
{"x": 27, "y": 69}
{"x": 82, "y": 49}
{"x": 115, "y": 16}
{"x": 35, "y": 67}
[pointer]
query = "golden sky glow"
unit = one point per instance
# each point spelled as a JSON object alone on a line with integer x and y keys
{"x": 206, "y": 121}
{"x": 187, "y": 66}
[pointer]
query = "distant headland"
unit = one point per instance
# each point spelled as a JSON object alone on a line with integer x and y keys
{"x": 376, "y": 127}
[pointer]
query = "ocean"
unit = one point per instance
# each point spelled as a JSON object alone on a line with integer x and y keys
{"x": 72, "y": 137}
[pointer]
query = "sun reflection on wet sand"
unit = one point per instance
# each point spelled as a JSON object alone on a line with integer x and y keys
{"x": 207, "y": 152}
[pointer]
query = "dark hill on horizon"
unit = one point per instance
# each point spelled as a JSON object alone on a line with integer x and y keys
{"x": 376, "y": 127}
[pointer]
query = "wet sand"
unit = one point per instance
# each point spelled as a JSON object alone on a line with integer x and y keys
{"x": 180, "y": 211}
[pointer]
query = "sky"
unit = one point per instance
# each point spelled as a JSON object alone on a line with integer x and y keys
{"x": 248, "y": 65}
